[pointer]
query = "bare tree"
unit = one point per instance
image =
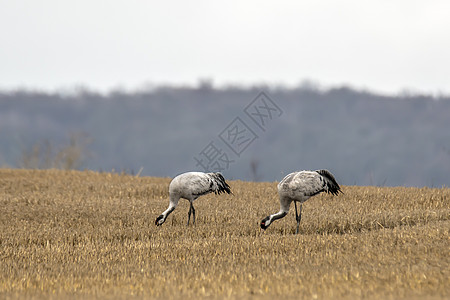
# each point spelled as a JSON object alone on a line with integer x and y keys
{"x": 68, "y": 157}
{"x": 254, "y": 165}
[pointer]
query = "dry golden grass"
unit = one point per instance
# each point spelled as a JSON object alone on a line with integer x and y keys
{"x": 69, "y": 234}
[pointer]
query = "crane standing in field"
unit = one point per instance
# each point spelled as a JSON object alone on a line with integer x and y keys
{"x": 190, "y": 186}
{"x": 299, "y": 187}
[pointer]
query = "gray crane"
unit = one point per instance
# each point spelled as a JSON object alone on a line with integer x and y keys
{"x": 190, "y": 186}
{"x": 299, "y": 187}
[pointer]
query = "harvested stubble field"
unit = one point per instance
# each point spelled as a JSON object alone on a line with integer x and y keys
{"x": 70, "y": 234}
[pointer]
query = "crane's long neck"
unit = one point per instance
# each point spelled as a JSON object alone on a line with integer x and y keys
{"x": 278, "y": 215}
{"x": 167, "y": 212}
{"x": 285, "y": 203}
{"x": 173, "y": 202}
{"x": 284, "y": 209}
{"x": 269, "y": 219}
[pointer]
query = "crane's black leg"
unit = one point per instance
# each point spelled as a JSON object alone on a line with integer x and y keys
{"x": 193, "y": 213}
{"x": 298, "y": 217}
{"x": 189, "y": 213}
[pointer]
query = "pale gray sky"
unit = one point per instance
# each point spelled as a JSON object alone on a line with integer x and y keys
{"x": 385, "y": 46}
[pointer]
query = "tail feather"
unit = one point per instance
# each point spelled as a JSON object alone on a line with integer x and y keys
{"x": 220, "y": 185}
{"x": 332, "y": 185}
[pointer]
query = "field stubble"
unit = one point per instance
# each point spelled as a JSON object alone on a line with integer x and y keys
{"x": 87, "y": 234}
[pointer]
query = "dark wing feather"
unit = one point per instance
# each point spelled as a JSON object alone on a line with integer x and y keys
{"x": 218, "y": 184}
{"x": 331, "y": 183}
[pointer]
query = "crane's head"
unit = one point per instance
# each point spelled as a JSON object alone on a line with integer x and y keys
{"x": 265, "y": 223}
{"x": 160, "y": 220}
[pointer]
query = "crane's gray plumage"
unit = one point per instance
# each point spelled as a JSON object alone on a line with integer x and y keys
{"x": 190, "y": 186}
{"x": 299, "y": 187}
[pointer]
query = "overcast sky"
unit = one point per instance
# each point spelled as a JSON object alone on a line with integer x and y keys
{"x": 384, "y": 46}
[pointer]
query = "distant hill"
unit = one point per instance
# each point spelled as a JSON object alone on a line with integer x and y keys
{"x": 363, "y": 138}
